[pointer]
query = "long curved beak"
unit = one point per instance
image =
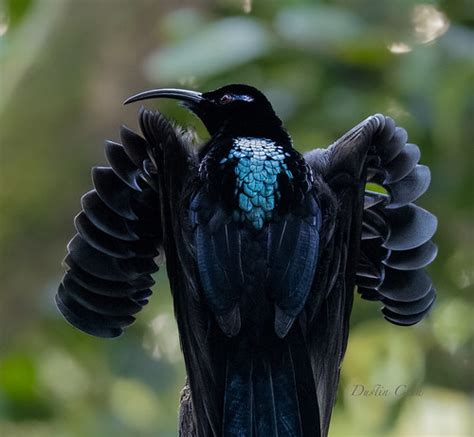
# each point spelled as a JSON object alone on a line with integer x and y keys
{"x": 170, "y": 93}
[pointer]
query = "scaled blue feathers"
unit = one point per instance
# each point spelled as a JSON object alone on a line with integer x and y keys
{"x": 258, "y": 163}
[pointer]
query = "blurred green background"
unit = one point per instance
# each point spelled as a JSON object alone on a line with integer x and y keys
{"x": 66, "y": 66}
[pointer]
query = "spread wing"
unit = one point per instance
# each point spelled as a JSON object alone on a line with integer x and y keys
{"x": 137, "y": 210}
{"x": 120, "y": 230}
{"x": 379, "y": 242}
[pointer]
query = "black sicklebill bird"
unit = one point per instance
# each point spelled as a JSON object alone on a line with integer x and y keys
{"x": 264, "y": 247}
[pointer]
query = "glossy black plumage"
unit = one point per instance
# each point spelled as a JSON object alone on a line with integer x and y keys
{"x": 264, "y": 248}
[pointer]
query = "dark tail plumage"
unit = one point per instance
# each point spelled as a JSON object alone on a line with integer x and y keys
{"x": 269, "y": 391}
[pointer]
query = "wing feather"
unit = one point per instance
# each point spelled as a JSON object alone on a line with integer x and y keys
{"x": 119, "y": 233}
{"x": 382, "y": 241}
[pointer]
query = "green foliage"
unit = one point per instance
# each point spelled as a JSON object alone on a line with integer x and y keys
{"x": 326, "y": 65}
{"x": 17, "y": 10}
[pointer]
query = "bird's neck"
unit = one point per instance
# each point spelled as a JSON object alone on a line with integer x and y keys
{"x": 223, "y": 139}
{"x": 271, "y": 129}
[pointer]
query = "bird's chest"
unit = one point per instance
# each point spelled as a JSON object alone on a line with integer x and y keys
{"x": 256, "y": 166}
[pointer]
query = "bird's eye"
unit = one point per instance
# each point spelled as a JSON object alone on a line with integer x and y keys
{"x": 226, "y": 98}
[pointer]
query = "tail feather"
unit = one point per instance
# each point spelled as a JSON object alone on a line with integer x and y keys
{"x": 286, "y": 398}
{"x": 304, "y": 381}
{"x": 264, "y": 417}
{"x": 269, "y": 392}
{"x": 237, "y": 419}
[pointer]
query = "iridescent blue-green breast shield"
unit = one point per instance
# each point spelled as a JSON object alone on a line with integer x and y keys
{"x": 258, "y": 161}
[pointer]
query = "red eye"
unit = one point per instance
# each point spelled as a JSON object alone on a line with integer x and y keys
{"x": 226, "y": 98}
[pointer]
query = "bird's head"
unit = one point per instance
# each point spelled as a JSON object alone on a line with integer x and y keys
{"x": 233, "y": 109}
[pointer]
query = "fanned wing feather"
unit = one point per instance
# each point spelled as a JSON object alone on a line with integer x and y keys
{"x": 122, "y": 166}
{"x": 409, "y": 188}
{"x": 412, "y": 259}
{"x": 113, "y": 192}
{"x": 383, "y": 241}
{"x": 105, "y": 219}
{"x": 119, "y": 232}
{"x": 402, "y": 164}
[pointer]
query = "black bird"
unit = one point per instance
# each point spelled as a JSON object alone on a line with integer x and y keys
{"x": 264, "y": 247}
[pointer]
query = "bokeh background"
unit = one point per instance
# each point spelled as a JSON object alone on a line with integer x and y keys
{"x": 66, "y": 66}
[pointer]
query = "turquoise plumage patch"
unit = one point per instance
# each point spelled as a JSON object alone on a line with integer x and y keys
{"x": 258, "y": 163}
